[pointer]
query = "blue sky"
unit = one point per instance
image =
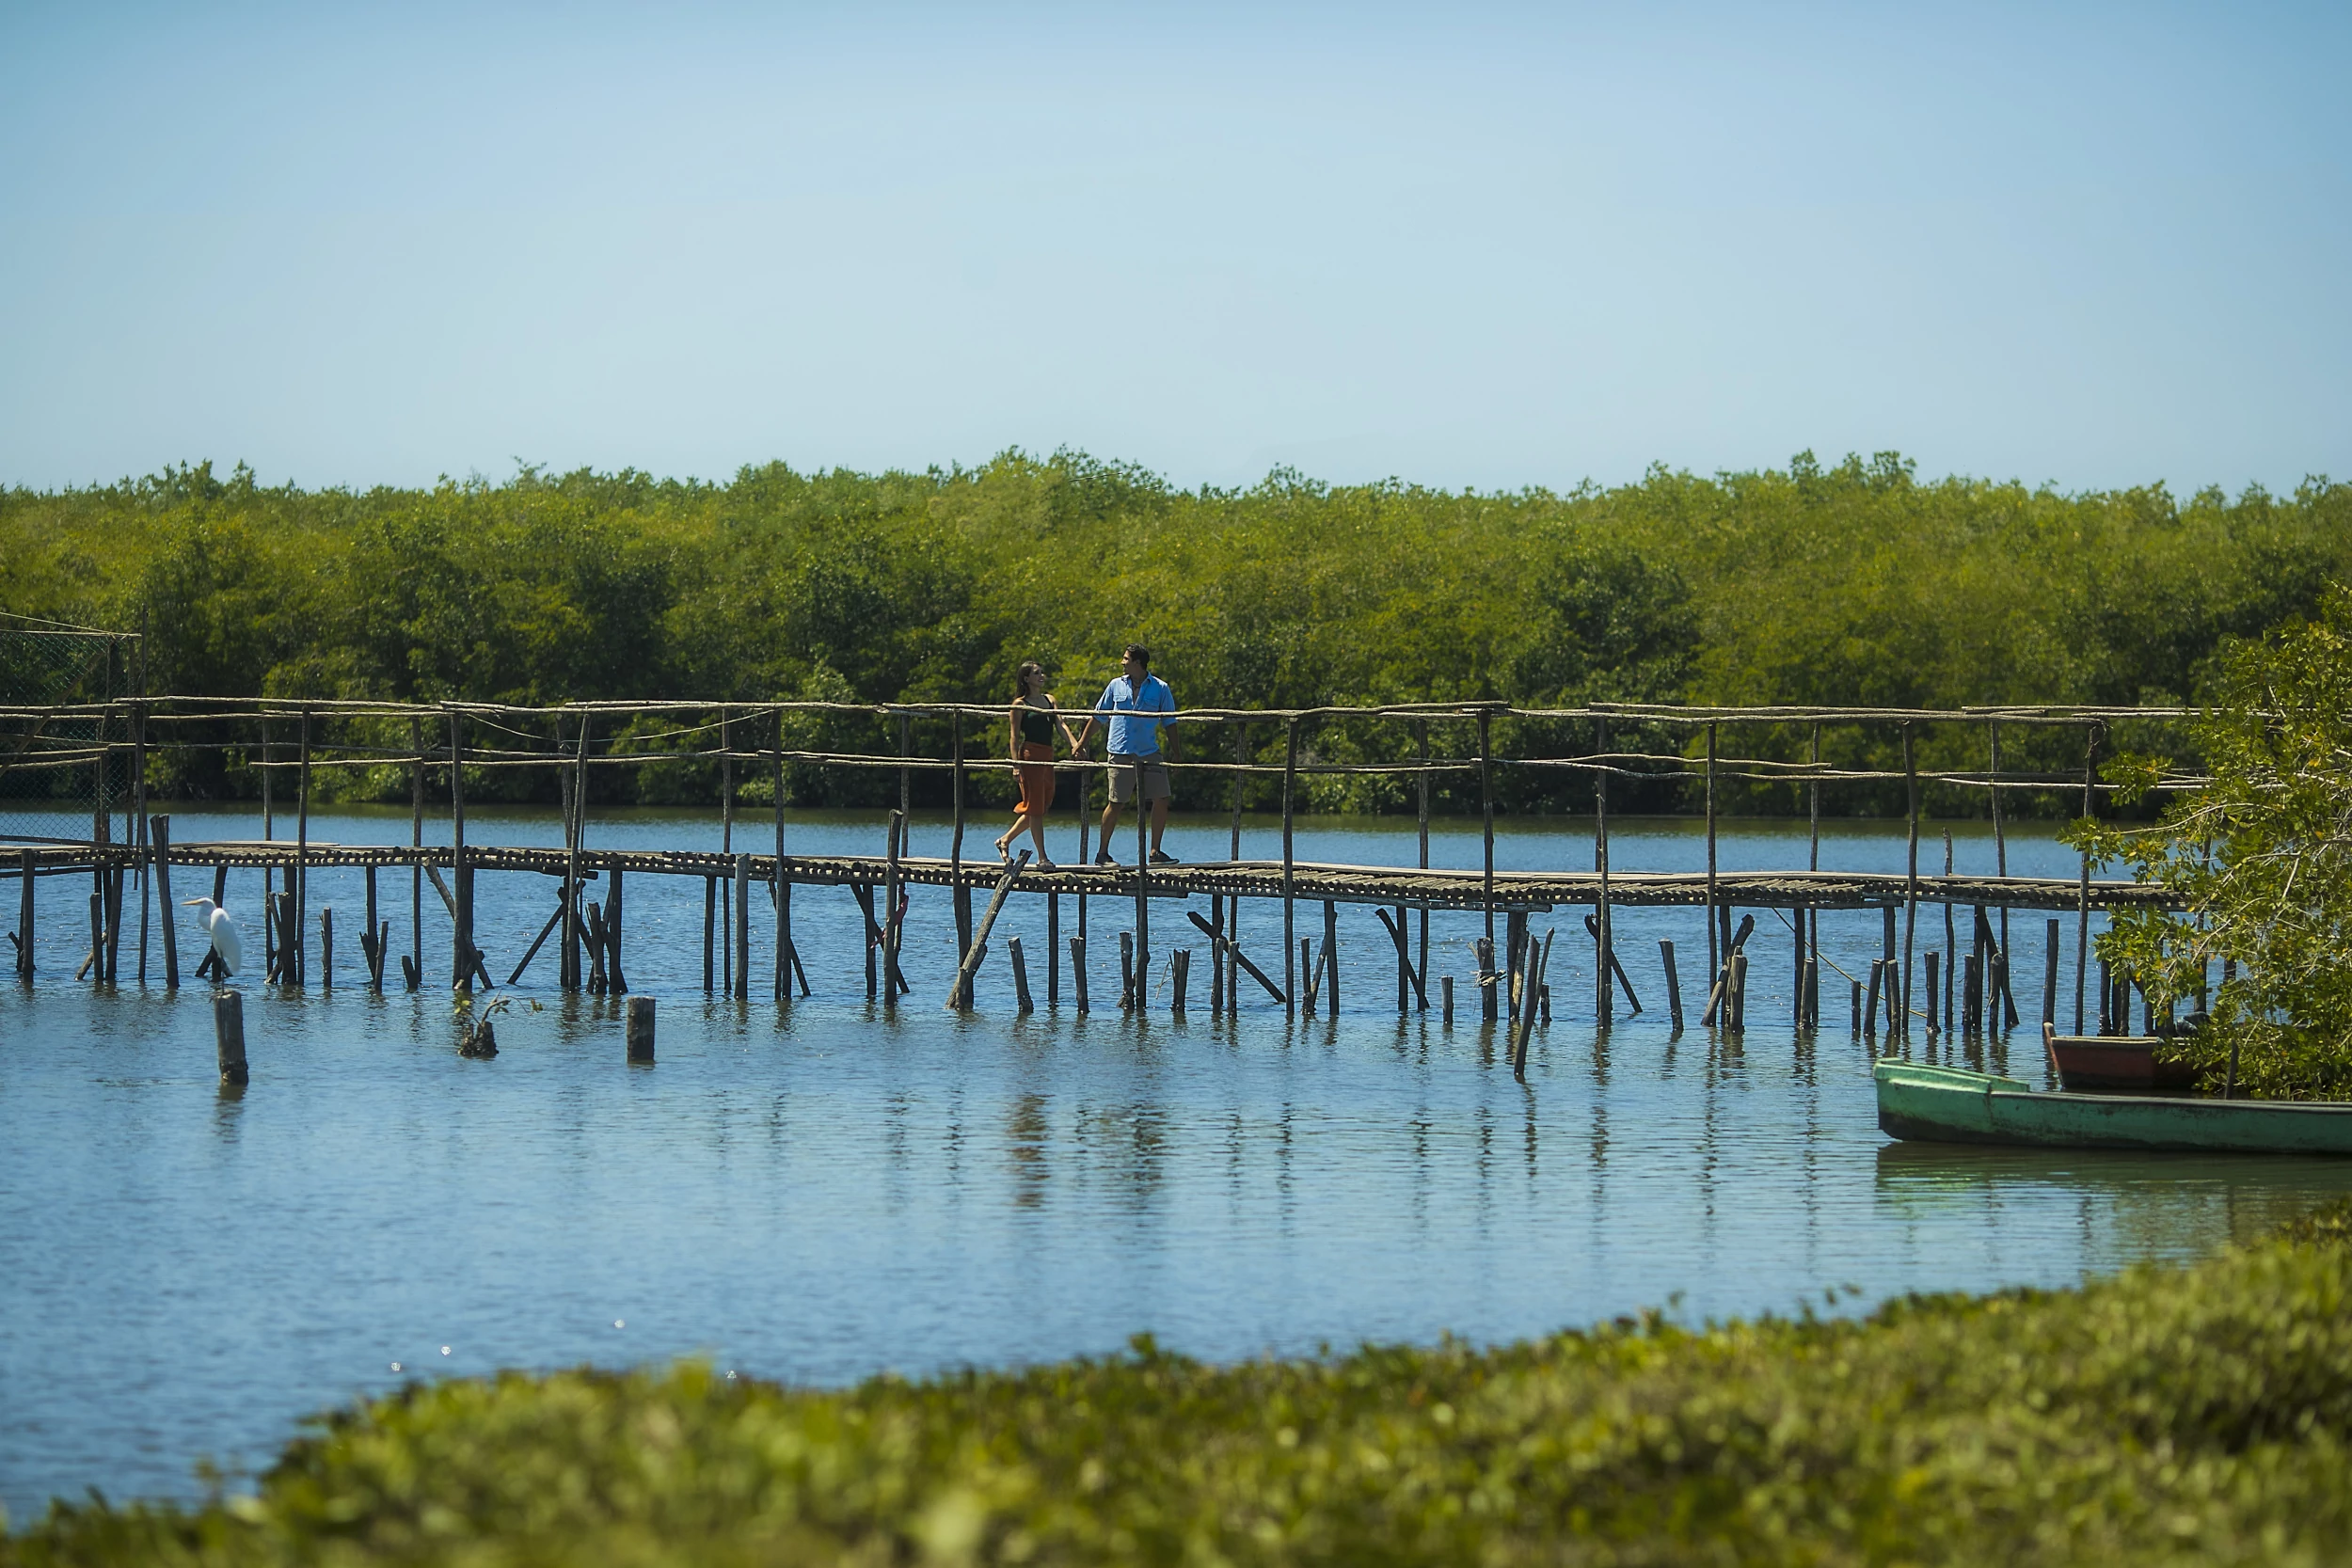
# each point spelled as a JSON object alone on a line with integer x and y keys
{"x": 1482, "y": 246}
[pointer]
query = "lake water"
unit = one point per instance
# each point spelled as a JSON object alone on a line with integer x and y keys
{"x": 825, "y": 1190}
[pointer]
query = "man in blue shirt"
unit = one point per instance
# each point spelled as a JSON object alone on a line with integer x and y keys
{"x": 1135, "y": 758}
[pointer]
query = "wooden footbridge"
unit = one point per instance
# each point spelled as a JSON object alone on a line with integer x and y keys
{"x": 282, "y": 745}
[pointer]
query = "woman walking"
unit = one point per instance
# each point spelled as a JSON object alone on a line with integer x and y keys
{"x": 1030, "y": 741}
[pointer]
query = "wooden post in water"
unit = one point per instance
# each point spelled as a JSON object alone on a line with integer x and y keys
{"x": 2049, "y": 971}
{"x": 890, "y": 905}
{"x": 1129, "y": 999}
{"x": 1674, "y": 984}
{"x": 1078, "y": 970}
{"x": 574, "y": 818}
{"x": 1603, "y": 997}
{"x": 710, "y": 934}
{"x": 1179, "y": 968}
{"x": 1929, "y": 961}
{"x": 1020, "y": 975}
{"x": 1489, "y": 980}
{"x": 2082, "y": 903}
{"x": 141, "y": 831}
{"x": 613, "y": 935}
{"x": 229, "y": 1035}
{"x": 728, "y": 912}
{"x": 784, "y": 952}
{"x": 960, "y": 896}
{"x": 1445, "y": 993}
{"x": 742, "y": 927}
{"x": 1870, "y": 1007}
{"x": 2000, "y": 838}
{"x": 24, "y": 916}
{"x": 1911, "y": 884}
{"x": 639, "y": 1029}
{"x": 1289, "y": 903}
{"x": 1487, "y": 814}
{"x": 461, "y": 941}
{"x": 1331, "y": 952}
{"x": 1714, "y": 950}
{"x": 1421, "y": 957}
{"x": 159, "y": 839}
{"x": 1143, "y": 874}
{"x": 416, "y": 842}
{"x": 327, "y": 948}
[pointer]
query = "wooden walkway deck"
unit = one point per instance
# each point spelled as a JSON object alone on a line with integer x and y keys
{"x": 1311, "y": 881}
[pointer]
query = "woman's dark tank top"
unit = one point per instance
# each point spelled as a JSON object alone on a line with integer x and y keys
{"x": 1037, "y": 725}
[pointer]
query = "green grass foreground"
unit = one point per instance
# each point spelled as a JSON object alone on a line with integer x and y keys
{"x": 2168, "y": 1413}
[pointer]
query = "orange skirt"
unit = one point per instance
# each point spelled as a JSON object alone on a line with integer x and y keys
{"x": 1036, "y": 768}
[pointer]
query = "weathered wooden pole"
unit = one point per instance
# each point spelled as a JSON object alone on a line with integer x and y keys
{"x": 1420, "y": 958}
{"x": 1078, "y": 970}
{"x": 2000, "y": 837}
{"x": 890, "y": 908}
{"x": 300, "y": 968}
{"x": 327, "y": 948}
{"x": 639, "y": 1028}
{"x": 2049, "y": 971}
{"x": 461, "y": 939}
{"x": 2081, "y": 896}
{"x": 960, "y": 994}
{"x": 1487, "y": 816}
{"x": 1714, "y": 953}
{"x": 742, "y": 927}
{"x": 1143, "y": 878}
{"x": 575, "y": 822}
{"x": 786, "y": 954}
{"x": 1674, "y": 984}
{"x": 1290, "y": 932}
{"x": 1911, "y": 884}
{"x": 416, "y": 867}
{"x": 728, "y": 911}
{"x": 159, "y": 838}
{"x": 710, "y": 934}
{"x": 1602, "y": 1007}
{"x": 1445, "y": 1005}
{"x": 1179, "y": 969}
{"x": 24, "y": 916}
{"x": 1331, "y": 952}
{"x": 960, "y": 896}
{"x": 229, "y": 1035}
{"x": 1020, "y": 975}
{"x": 142, "y": 831}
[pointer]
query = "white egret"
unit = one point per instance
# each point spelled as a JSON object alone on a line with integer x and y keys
{"x": 228, "y": 946}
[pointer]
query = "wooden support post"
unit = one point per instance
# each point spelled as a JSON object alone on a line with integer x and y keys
{"x": 1930, "y": 963}
{"x": 1796, "y": 970}
{"x": 1487, "y": 816}
{"x": 1289, "y": 903}
{"x": 1445, "y": 994}
{"x": 371, "y": 951}
{"x": 575, "y": 823}
{"x": 1871, "y": 1005}
{"x": 1613, "y": 968}
{"x": 1534, "y": 982}
{"x": 959, "y": 995}
{"x": 710, "y": 934}
{"x": 1488, "y": 980}
{"x": 1143, "y": 884}
{"x": 229, "y": 1035}
{"x": 159, "y": 839}
{"x": 2000, "y": 835}
{"x": 1714, "y": 953}
{"x": 415, "y": 974}
{"x": 138, "y": 786}
{"x": 1078, "y": 970}
{"x": 298, "y": 966}
{"x": 864, "y": 897}
{"x": 460, "y": 937}
{"x": 1331, "y": 952}
{"x": 1911, "y": 886}
{"x": 1128, "y": 999}
{"x": 1179, "y": 968}
{"x": 2081, "y": 896}
{"x": 1674, "y": 984}
{"x": 1420, "y": 959}
{"x": 787, "y": 955}
{"x": 559, "y": 917}
{"x": 892, "y": 899}
{"x": 1217, "y": 953}
{"x": 1313, "y": 974}
{"x": 1020, "y": 975}
{"x": 960, "y": 896}
{"x": 1736, "y": 1022}
{"x": 742, "y": 927}
{"x": 2050, "y": 972}
{"x": 593, "y": 950}
{"x": 1237, "y": 959}
{"x": 24, "y": 916}
{"x": 614, "y": 978}
{"x": 1857, "y": 1007}
{"x": 639, "y": 1029}
{"x": 1602, "y": 997}
{"x": 1404, "y": 976}
{"x": 327, "y": 948}
{"x": 95, "y": 965}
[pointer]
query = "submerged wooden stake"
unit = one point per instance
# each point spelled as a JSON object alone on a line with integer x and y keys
{"x": 229, "y": 1035}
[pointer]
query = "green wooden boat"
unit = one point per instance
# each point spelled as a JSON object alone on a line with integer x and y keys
{"x": 1945, "y": 1104}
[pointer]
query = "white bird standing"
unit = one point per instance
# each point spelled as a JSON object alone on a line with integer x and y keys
{"x": 228, "y": 946}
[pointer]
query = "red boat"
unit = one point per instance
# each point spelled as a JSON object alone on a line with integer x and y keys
{"x": 2111, "y": 1063}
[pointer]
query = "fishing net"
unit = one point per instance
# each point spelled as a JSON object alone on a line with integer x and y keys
{"x": 63, "y": 777}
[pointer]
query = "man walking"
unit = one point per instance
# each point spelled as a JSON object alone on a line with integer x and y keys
{"x": 1135, "y": 758}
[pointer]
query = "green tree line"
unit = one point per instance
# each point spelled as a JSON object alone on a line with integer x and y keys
{"x": 1854, "y": 583}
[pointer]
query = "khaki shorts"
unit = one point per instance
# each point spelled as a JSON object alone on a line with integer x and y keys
{"x": 1123, "y": 771}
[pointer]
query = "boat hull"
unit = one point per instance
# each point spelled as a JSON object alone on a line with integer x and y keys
{"x": 1938, "y": 1104}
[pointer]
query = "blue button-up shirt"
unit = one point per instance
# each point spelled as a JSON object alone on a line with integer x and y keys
{"x": 1135, "y": 736}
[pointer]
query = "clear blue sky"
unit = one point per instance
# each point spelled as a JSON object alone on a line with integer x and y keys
{"x": 2098, "y": 245}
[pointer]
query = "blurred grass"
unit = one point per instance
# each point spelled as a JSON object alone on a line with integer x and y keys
{"x": 2194, "y": 1414}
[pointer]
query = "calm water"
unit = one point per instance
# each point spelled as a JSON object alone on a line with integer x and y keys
{"x": 824, "y": 1192}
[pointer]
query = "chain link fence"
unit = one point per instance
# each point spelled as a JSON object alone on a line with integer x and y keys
{"x": 65, "y": 778}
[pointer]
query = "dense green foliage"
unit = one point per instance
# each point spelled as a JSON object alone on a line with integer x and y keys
{"x": 2167, "y": 1415}
{"x": 1853, "y": 584}
{"x": 2263, "y": 863}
